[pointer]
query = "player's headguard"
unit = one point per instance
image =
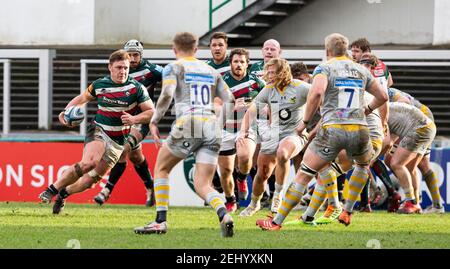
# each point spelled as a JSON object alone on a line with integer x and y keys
{"x": 134, "y": 45}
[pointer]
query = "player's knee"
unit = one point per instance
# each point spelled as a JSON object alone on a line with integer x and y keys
{"x": 78, "y": 170}
{"x": 263, "y": 171}
{"x": 88, "y": 184}
{"x": 282, "y": 155}
{"x": 136, "y": 158}
{"x": 88, "y": 165}
{"x": 394, "y": 164}
{"x": 244, "y": 159}
{"x": 226, "y": 171}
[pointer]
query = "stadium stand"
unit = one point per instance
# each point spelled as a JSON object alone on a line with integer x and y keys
{"x": 429, "y": 84}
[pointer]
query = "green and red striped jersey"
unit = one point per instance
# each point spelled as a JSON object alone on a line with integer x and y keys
{"x": 113, "y": 99}
{"x": 248, "y": 88}
{"x": 148, "y": 74}
{"x": 221, "y": 68}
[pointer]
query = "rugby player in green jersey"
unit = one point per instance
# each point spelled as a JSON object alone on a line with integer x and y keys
{"x": 148, "y": 74}
{"x": 119, "y": 97}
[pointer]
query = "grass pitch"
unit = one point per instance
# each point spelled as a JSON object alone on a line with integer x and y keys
{"x": 32, "y": 225}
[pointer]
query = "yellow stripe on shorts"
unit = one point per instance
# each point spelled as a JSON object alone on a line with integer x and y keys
{"x": 346, "y": 127}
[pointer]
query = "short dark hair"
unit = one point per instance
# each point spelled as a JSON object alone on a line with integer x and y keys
{"x": 218, "y": 35}
{"x": 298, "y": 69}
{"x": 361, "y": 43}
{"x": 119, "y": 55}
{"x": 185, "y": 41}
{"x": 240, "y": 51}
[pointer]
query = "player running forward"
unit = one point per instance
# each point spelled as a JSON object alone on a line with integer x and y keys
{"x": 415, "y": 132}
{"x": 285, "y": 98}
{"x": 119, "y": 97}
{"x": 341, "y": 84}
{"x": 148, "y": 74}
{"x": 244, "y": 87}
{"x": 194, "y": 84}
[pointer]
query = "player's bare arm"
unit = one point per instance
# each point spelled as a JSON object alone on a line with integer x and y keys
{"x": 314, "y": 99}
{"x": 163, "y": 104}
{"x": 380, "y": 96}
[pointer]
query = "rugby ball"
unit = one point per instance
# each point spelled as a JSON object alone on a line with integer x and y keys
{"x": 74, "y": 115}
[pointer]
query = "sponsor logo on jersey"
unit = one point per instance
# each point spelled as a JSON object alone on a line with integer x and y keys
{"x": 198, "y": 78}
{"x": 115, "y": 102}
{"x": 285, "y": 114}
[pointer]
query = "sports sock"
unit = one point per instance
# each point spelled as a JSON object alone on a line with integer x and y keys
{"x": 144, "y": 174}
{"x": 63, "y": 193}
{"x": 409, "y": 195}
{"x": 53, "y": 189}
{"x": 255, "y": 200}
{"x": 161, "y": 216}
{"x": 241, "y": 177}
{"x": 316, "y": 202}
{"x": 380, "y": 170}
{"x": 231, "y": 199}
{"x": 356, "y": 184}
{"x": 215, "y": 201}
{"x": 432, "y": 184}
{"x": 115, "y": 174}
{"x": 329, "y": 181}
{"x": 162, "y": 194}
{"x": 278, "y": 189}
{"x": 290, "y": 200}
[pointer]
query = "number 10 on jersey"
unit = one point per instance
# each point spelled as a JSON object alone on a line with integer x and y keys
{"x": 200, "y": 94}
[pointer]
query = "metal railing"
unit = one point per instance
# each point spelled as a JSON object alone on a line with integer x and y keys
{"x": 309, "y": 57}
{"x": 45, "y": 57}
{"x": 164, "y": 56}
{"x": 84, "y": 84}
{"x": 213, "y": 9}
{"x": 6, "y": 95}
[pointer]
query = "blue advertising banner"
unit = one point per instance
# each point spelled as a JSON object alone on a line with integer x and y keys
{"x": 440, "y": 163}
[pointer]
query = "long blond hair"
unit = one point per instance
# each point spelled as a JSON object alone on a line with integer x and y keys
{"x": 283, "y": 70}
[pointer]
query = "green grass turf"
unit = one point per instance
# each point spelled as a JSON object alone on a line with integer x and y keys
{"x": 31, "y": 225}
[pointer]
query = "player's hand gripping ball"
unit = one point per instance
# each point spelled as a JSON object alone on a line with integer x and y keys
{"x": 74, "y": 115}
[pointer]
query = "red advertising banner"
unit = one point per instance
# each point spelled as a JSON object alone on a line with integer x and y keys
{"x": 27, "y": 168}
